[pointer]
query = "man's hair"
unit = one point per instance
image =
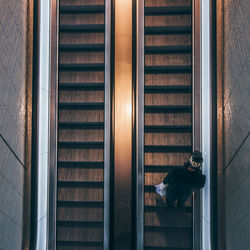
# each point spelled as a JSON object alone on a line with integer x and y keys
{"x": 197, "y": 156}
{"x": 196, "y": 160}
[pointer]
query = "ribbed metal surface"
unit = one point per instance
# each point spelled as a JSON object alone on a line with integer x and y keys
{"x": 168, "y": 118}
{"x": 80, "y": 195}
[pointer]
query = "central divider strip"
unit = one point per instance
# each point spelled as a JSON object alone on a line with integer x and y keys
{"x": 123, "y": 76}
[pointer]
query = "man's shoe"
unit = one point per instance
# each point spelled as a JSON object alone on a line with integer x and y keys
{"x": 180, "y": 204}
{"x": 169, "y": 204}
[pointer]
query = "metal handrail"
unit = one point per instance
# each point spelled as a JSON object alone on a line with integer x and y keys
{"x": 140, "y": 125}
{"x": 35, "y": 120}
{"x": 196, "y": 114}
{"x": 107, "y": 125}
{"x": 45, "y": 75}
{"x": 53, "y": 121}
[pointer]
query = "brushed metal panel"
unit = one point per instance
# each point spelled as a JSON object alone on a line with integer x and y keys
{"x": 123, "y": 125}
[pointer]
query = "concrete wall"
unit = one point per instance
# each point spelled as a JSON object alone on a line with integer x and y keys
{"x": 12, "y": 121}
{"x": 236, "y": 88}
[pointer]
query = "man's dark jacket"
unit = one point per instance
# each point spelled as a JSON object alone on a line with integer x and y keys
{"x": 182, "y": 182}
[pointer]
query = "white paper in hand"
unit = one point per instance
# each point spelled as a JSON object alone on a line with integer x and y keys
{"x": 161, "y": 189}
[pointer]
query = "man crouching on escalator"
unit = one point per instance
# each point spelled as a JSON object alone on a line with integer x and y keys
{"x": 180, "y": 183}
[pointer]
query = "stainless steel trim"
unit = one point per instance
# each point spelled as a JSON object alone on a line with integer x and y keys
{"x": 107, "y": 125}
{"x": 196, "y": 79}
{"x": 213, "y": 127}
{"x": 54, "y": 32}
{"x": 196, "y": 86}
{"x": 140, "y": 126}
{"x": 207, "y": 119}
{"x": 35, "y": 123}
{"x": 43, "y": 85}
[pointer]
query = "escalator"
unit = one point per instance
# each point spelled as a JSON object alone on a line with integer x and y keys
{"x": 81, "y": 119}
{"x": 168, "y": 118}
{"x": 80, "y": 125}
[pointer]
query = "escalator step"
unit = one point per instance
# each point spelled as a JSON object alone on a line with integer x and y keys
{"x": 82, "y": 47}
{"x": 71, "y": 28}
{"x": 81, "y": 66}
{"x": 167, "y": 129}
{"x": 82, "y": 105}
{"x": 164, "y": 208}
{"x": 160, "y": 30}
{"x": 166, "y": 248}
{"x": 167, "y": 109}
{"x": 76, "y": 184}
{"x": 73, "y": 223}
{"x": 81, "y": 125}
{"x": 159, "y": 168}
{"x": 168, "y": 89}
{"x": 80, "y": 164}
{"x": 82, "y": 9}
{"x": 81, "y": 86}
{"x": 92, "y": 204}
{"x": 168, "y": 69}
{"x": 167, "y": 149}
{"x": 167, "y": 49}
{"x": 79, "y": 243}
{"x": 177, "y": 10}
{"x": 164, "y": 228}
{"x": 82, "y": 145}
